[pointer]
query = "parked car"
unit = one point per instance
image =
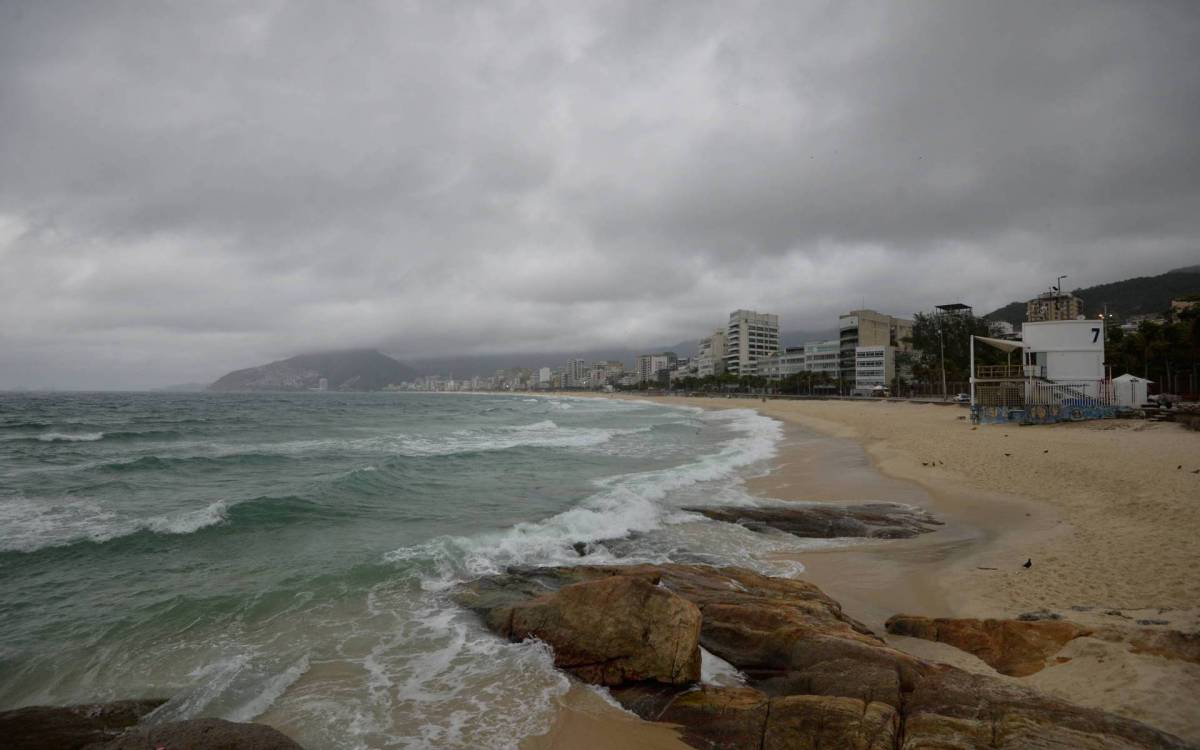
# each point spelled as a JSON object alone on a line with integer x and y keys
{"x": 962, "y": 398}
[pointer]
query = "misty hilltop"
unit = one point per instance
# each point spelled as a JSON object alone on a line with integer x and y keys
{"x": 347, "y": 370}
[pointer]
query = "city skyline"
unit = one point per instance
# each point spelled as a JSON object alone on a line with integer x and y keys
{"x": 191, "y": 188}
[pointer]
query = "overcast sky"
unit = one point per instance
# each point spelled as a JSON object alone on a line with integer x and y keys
{"x": 190, "y": 187}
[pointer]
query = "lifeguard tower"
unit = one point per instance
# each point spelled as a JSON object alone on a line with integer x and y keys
{"x": 1059, "y": 376}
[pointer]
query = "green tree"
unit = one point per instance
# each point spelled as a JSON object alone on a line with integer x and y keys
{"x": 934, "y": 333}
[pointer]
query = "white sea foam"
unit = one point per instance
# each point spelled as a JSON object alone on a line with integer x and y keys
{"x": 29, "y": 524}
{"x": 187, "y": 522}
{"x": 628, "y": 503}
{"x": 272, "y": 688}
{"x": 65, "y": 437}
{"x": 716, "y": 671}
{"x": 544, "y": 434}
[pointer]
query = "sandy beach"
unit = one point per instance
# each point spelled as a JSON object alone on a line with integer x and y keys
{"x": 1107, "y": 512}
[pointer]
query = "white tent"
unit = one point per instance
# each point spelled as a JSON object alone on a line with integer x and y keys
{"x": 1130, "y": 390}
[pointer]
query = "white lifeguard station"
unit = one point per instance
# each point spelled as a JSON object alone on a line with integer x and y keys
{"x": 1060, "y": 375}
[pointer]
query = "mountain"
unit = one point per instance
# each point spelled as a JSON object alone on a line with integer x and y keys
{"x": 348, "y": 370}
{"x": 1138, "y": 296}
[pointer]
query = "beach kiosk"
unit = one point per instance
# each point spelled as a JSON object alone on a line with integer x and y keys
{"x": 1131, "y": 391}
{"x": 1057, "y": 375}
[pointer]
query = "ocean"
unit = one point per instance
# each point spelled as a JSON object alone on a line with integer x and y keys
{"x": 290, "y": 558}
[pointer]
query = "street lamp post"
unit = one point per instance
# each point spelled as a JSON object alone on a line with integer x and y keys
{"x": 942, "y": 356}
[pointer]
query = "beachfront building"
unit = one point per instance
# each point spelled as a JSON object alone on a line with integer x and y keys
{"x": 576, "y": 374}
{"x": 685, "y": 367}
{"x": 823, "y": 357}
{"x": 603, "y": 373}
{"x": 874, "y": 367}
{"x": 650, "y": 365}
{"x": 782, "y": 364}
{"x": 868, "y": 328}
{"x": 544, "y": 377}
{"x": 1057, "y": 375}
{"x": 1053, "y": 305}
{"x": 710, "y": 357}
{"x": 749, "y": 337}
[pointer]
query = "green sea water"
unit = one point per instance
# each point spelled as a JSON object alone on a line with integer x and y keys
{"x": 289, "y": 558}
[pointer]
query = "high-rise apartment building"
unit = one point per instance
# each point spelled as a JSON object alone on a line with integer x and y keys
{"x": 1053, "y": 306}
{"x": 710, "y": 357}
{"x": 576, "y": 375}
{"x": 868, "y": 328}
{"x": 649, "y": 365}
{"x": 750, "y": 336}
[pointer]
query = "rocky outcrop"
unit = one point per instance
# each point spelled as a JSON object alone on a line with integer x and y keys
{"x": 1023, "y": 646}
{"x": 113, "y": 726}
{"x": 1169, "y": 644}
{"x": 815, "y": 677}
{"x": 612, "y": 631}
{"x": 872, "y": 520}
{"x": 69, "y": 727}
{"x": 1012, "y": 647}
{"x": 209, "y": 734}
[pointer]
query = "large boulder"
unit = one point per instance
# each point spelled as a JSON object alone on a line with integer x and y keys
{"x": 1013, "y": 647}
{"x": 801, "y": 722}
{"x": 872, "y": 520}
{"x": 613, "y": 631}
{"x": 70, "y": 727}
{"x": 200, "y": 734}
{"x": 815, "y": 677}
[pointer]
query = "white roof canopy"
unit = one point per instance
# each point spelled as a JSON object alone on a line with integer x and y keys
{"x": 1004, "y": 344}
{"x": 1128, "y": 378}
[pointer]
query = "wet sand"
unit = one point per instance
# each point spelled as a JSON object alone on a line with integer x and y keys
{"x": 1108, "y": 520}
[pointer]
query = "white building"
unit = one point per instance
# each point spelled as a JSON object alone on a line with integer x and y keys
{"x": 750, "y": 336}
{"x": 783, "y": 364}
{"x": 544, "y": 377}
{"x": 710, "y": 358}
{"x": 823, "y": 357}
{"x": 649, "y": 365}
{"x": 576, "y": 375}
{"x": 874, "y": 366}
{"x": 1060, "y": 364}
{"x": 1064, "y": 350}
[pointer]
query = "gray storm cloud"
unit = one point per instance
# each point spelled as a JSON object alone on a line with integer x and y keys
{"x": 190, "y": 187}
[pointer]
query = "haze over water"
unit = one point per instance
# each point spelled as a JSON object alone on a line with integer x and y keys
{"x": 290, "y": 557}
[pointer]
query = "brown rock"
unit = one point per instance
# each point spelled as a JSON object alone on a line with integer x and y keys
{"x": 717, "y": 718}
{"x": 873, "y": 520}
{"x": 615, "y": 630}
{"x": 950, "y": 708}
{"x": 69, "y": 727}
{"x": 1013, "y": 647}
{"x": 201, "y": 734}
{"x": 1169, "y": 644}
{"x": 822, "y": 679}
{"x": 811, "y": 722}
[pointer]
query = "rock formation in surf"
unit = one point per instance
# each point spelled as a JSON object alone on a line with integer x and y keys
{"x": 814, "y": 676}
{"x": 873, "y": 520}
{"x": 114, "y": 726}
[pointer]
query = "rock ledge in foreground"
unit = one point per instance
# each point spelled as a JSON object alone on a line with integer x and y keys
{"x": 815, "y": 677}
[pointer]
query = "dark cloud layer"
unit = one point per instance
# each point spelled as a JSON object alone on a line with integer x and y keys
{"x": 190, "y": 187}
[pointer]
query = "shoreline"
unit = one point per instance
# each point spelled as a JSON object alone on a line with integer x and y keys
{"x": 1067, "y": 502}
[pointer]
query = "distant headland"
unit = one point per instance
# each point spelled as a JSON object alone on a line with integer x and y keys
{"x": 345, "y": 370}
